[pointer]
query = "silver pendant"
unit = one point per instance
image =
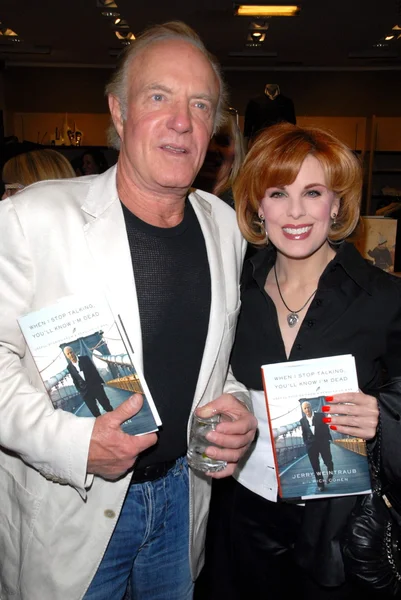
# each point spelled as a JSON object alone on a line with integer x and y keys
{"x": 292, "y": 319}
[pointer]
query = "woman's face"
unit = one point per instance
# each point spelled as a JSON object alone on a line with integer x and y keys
{"x": 298, "y": 216}
{"x": 89, "y": 167}
{"x": 218, "y": 161}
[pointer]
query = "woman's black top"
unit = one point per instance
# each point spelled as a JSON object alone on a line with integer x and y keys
{"x": 356, "y": 310}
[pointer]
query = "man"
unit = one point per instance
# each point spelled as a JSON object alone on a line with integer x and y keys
{"x": 317, "y": 437}
{"x": 88, "y": 381}
{"x": 80, "y": 514}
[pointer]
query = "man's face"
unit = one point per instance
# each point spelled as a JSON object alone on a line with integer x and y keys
{"x": 306, "y": 407}
{"x": 171, "y": 103}
{"x": 70, "y": 354}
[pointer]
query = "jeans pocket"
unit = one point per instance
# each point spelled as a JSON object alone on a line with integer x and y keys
{"x": 18, "y": 512}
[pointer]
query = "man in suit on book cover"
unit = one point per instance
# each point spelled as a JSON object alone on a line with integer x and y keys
{"x": 88, "y": 381}
{"x": 317, "y": 437}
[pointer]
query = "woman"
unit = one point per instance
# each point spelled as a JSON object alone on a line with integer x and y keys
{"x": 30, "y": 167}
{"x": 93, "y": 162}
{"x": 223, "y": 159}
{"x": 305, "y": 294}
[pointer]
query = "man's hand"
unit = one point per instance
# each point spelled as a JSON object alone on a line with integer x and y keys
{"x": 111, "y": 451}
{"x": 233, "y": 435}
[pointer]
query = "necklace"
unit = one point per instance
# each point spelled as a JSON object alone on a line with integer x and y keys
{"x": 292, "y": 317}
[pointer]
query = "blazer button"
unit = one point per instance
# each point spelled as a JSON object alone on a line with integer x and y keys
{"x": 311, "y": 323}
{"x": 298, "y": 347}
{"x": 319, "y": 302}
{"x": 110, "y": 514}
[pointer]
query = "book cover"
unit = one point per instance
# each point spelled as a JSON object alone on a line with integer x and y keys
{"x": 85, "y": 360}
{"x": 311, "y": 460}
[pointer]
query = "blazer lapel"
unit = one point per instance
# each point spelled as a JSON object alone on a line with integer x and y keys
{"x": 203, "y": 210}
{"x": 108, "y": 244}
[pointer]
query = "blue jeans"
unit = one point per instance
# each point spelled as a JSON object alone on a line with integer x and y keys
{"x": 149, "y": 549}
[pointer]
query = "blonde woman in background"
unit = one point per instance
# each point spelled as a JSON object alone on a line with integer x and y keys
{"x": 29, "y": 167}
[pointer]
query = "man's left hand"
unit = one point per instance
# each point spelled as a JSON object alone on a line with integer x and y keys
{"x": 234, "y": 435}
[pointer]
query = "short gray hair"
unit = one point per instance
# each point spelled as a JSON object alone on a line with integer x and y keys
{"x": 172, "y": 30}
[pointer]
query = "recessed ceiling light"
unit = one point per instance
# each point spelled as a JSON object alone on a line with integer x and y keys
{"x": 259, "y": 25}
{"x": 7, "y": 32}
{"x": 256, "y": 36}
{"x": 396, "y": 28}
{"x": 121, "y": 24}
{"x": 124, "y": 35}
{"x": 389, "y": 37}
{"x": 106, "y": 4}
{"x": 266, "y": 10}
{"x": 111, "y": 14}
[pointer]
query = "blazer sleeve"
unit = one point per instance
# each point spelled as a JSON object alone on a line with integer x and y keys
{"x": 237, "y": 389}
{"x": 54, "y": 442}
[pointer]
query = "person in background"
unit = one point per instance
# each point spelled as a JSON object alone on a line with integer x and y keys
{"x": 93, "y": 162}
{"x": 76, "y": 163}
{"x": 306, "y": 293}
{"x": 85, "y": 508}
{"x": 30, "y": 167}
{"x": 223, "y": 159}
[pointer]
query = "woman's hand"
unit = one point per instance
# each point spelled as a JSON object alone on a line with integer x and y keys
{"x": 355, "y": 414}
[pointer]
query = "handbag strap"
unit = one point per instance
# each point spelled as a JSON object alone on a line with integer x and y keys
{"x": 374, "y": 458}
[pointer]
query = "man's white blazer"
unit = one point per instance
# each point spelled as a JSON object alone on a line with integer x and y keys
{"x": 59, "y": 238}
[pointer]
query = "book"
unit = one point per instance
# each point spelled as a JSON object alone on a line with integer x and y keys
{"x": 310, "y": 459}
{"x": 85, "y": 360}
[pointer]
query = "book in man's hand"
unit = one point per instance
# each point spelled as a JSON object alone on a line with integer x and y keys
{"x": 311, "y": 460}
{"x": 86, "y": 361}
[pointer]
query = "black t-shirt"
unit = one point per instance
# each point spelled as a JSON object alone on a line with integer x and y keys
{"x": 173, "y": 286}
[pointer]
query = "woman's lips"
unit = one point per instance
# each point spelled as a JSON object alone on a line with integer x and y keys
{"x": 297, "y": 232}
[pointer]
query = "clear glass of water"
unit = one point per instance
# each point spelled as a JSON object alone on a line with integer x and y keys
{"x": 196, "y": 456}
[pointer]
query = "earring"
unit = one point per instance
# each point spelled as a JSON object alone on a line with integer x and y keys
{"x": 334, "y": 218}
{"x": 263, "y": 228}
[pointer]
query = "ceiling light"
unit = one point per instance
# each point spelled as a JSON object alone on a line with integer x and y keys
{"x": 266, "y": 10}
{"x": 396, "y": 28}
{"x": 111, "y": 14}
{"x": 252, "y": 54}
{"x": 6, "y": 31}
{"x": 116, "y": 21}
{"x": 389, "y": 37}
{"x": 259, "y": 25}
{"x": 256, "y": 36}
{"x": 124, "y": 35}
{"x": 106, "y": 4}
{"x": 121, "y": 24}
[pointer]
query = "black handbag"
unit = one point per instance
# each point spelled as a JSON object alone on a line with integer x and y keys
{"x": 372, "y": 542}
